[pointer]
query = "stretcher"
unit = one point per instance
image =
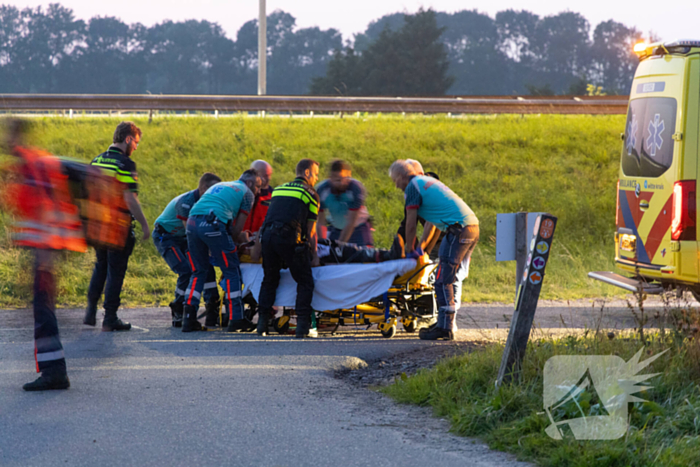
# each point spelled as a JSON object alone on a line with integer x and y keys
{"x": 382, "y": 294}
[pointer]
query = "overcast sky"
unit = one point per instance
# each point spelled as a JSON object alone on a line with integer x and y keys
{"x": 668, "y": 19}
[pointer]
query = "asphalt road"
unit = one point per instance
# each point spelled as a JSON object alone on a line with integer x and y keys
{"x": 156, "y": 396}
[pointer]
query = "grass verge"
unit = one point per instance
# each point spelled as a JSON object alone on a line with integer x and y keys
{"x": 664, "y": 430}
{"x": 566, "y": 165}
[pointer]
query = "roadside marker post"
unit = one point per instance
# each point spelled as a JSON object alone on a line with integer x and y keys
{"x": 527, "y": 296}
{"x": 513, "y": 235}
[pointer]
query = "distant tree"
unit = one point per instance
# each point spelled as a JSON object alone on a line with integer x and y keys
{"x": 48, "y": 50}
{"x": 476, "y": 61}
{"x": 579, "y": 87}
{"x": 100, "y": 66}
{"x": 10, "y": 34}
{"x": 613, "y": 58}
{"x": 392, "y": 22}
{"x": 181, "y": 56}
{"x": 42, "y": 44}
{"x": 545, "y": 90}
{"x": 294, "y": 56}
{"x": 409, "y": 62}
{"x": 516, "y": 32}
{"x": 344, "y": 75}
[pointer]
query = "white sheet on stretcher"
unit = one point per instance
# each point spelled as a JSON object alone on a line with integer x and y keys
{"x": 336, "y": 286}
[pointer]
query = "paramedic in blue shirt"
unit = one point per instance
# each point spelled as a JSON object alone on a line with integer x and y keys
{"x": 343, "y": 207}
{"x": 170, "y": 240}
{"x": 443, "y": 210}
{"x": 213, "y": 228}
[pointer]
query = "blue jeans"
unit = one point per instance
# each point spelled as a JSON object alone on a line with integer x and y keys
{"x": 453, "y": 267}
{"x": 173, "y": 249}
{"x": 205, "y": 238}
{"x": 361, "y": 236}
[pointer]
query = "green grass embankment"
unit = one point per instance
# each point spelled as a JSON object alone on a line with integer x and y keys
{"x": 663, "y": 430}
{"x": 566, "y": 165}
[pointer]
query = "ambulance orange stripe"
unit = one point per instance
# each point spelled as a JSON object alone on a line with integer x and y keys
{"x": 659, "y": 229}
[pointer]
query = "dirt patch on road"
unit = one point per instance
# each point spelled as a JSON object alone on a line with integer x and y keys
{"x": 384, "y": 371}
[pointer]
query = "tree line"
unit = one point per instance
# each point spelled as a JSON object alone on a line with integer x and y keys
{"x": 48, "y": 50}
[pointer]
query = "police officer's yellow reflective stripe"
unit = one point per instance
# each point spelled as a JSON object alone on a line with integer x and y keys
{"x": 299, "y": 193}
{"x": 121, "y": 175}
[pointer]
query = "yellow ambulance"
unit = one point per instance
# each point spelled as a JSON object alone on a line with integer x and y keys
{"x": 656, "y": 222}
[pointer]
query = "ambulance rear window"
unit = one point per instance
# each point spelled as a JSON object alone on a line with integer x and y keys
{"x": 648, "y": 147}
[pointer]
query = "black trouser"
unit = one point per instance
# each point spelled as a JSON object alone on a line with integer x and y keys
{"x": 344, "y": 253}
{"x": 48, "y": 350}
{"x": 108, "y": 275}
{"x": 279, "y": 252}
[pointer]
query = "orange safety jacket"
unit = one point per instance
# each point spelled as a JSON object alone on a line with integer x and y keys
{"x": 105, "y": 214}
{"x": 258, "y": 212}
{"x": 48, "y": 216}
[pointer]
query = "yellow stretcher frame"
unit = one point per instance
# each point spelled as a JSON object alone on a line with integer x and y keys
{"x": 411, "y": 300}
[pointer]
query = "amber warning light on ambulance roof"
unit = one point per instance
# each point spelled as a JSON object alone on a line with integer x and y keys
{"x": 640, "y": 47}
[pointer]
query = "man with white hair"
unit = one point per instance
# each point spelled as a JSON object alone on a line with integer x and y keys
{"x": 430, "y": 199}
{"x": 262, "y": 199}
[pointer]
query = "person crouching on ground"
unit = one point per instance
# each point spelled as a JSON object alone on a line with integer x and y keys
{"x": 170, "y": 239}
{"x": 213, "y": 228}
{"x": 442, "y": 209}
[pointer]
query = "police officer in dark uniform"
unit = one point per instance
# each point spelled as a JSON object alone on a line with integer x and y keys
{"x": 110, "y": 267}
{"x": 289, "y": 240}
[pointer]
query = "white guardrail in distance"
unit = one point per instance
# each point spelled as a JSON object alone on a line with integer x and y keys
{"x": 600, "y": 105}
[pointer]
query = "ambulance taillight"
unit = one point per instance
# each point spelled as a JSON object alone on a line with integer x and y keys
{"x": 683, "y": 211}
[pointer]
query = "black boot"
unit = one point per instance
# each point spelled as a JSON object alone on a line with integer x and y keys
{"x": 304, "y": 327}
{"x": 112, "y": 323}
{"x": 438, "y": 333}
{"x": 212, "y": 317}
{"x": 90, "y": 315}
{"x": 263, "y": 323}
{"x": 189, "y": 320}
{"x": 176, "y": 313}
{"x": 46, "y": 382}
{"x": 240, "y": 325}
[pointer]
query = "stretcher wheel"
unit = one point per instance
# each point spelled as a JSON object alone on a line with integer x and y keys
{"x": 281, "y": 324}
{"x": 410, "y": 324}
{"x": 389, "y": 332}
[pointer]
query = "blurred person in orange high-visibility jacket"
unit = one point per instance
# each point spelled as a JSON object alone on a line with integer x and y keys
{"x": 48, "y": 221}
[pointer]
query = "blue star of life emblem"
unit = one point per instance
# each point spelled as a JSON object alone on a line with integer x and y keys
{"x": 655, "y": 141}
{"x": 632, "y": 135}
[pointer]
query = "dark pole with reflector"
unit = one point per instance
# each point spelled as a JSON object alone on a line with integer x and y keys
{"x": 526, "y": 300}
